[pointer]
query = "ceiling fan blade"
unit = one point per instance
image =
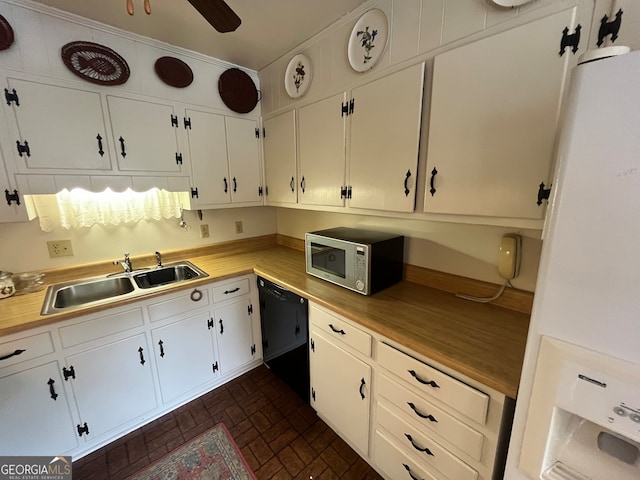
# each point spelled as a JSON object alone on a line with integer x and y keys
{"x": 218, "y": 14}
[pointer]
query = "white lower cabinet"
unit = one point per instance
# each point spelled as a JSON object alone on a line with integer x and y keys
{"x": 340, "y": 385}
{"x": 70, "y": 388}
{"x": 34, "y": 412}
{"x": 184, "y": 355}
{"x": 112, "y": 384}
{"x": 409, "y": 417}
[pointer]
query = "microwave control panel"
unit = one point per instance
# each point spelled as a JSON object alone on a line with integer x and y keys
{"x": 361, "y": 268}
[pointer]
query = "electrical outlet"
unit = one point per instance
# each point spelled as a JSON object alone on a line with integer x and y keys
{"x": 239, "y": 227}
{"x": 60, "y": 248}
{"x": 204, "y": 231}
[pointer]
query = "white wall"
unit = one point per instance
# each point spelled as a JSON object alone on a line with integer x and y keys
{"x": 23, "y": 245}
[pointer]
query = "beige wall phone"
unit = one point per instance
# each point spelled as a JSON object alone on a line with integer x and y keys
{"x": 509, "y": 256}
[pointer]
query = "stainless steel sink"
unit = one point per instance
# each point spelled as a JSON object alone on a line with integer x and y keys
{"x": 109, "y": 288}
{"x": 167, "y": 275}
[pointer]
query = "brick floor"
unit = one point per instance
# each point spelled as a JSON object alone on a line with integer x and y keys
{"x": 279, "y": 435}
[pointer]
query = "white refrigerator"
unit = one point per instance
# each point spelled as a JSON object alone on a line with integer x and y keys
{"x": 588, "y": 289}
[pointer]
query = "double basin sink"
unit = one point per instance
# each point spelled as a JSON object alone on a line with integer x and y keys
{"x": 106, "y": 289}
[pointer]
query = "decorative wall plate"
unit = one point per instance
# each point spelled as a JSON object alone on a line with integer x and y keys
{"x": 95, "y": 63}
{"x": 298, "y": 76}
{"x": 6, "y": 34}
{"x": 237, "y": 90}
{"x": 174, "y": 72}
{"x": 368, "y": 40}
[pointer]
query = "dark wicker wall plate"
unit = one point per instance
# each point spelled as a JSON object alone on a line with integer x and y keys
{"x": 237, "y": 90}
{"x": 174, "y": 72}
{"x": 95, "y": 63}
{"x": 6, "y": 34}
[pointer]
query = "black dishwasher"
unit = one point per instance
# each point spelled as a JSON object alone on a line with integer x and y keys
{"x": 285, "y": 335}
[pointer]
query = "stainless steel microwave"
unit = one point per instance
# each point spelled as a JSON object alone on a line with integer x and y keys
{"x": 360, "y": 260}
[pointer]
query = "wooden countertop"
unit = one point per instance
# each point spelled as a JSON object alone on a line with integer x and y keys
{"x": 482, "y": 341}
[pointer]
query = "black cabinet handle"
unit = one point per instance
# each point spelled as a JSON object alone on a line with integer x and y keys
{"x": 100, "y": 149}
{"x": 235, "y": 185}
{"x": 226, "y": 186}
{"x": 221, "y": 327}
{"x": 227, "y": 292}
{"x": 52, "y": 391}
{"x": 413, "y": 444}
{"x": 161, "y": 343}
{"x": 429, "y": 417}
{"x": 410, "y": 472}
{"x": 362, "y": 385}
{"x": 432, "y": 183}
{"x": 292, "y": 184}
{"x": 303, "y": 184}
{"x": 66, "y": 373}
{"x": 123, "y": 151}
{"x": 432, "y": 383}
{"x": 16, "y": 352}
{"x": 140, "y": 351}
{"x": 406, "y": 183}
{"x": 196, "y": 295}
{"x": 341, "y": 332}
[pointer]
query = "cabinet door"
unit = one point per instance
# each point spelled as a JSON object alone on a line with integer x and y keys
{"x": 384, "y": 141}
{"x": 341, "y": 390}
{"x": 234, "y": 330}
{"x": 144, "y": 135}
{"x": 184, "y": 355}
{"x": 494, "y": 120}
{"x": 280, "y": 158}
{"x": 321, "y": 133}
{"x": 34, "y": 413}
{"x": 244, "y": 160}
{"x": 113, "y": 384}
{"x": 62, "y": 127}
{"x": 208, "y": 153}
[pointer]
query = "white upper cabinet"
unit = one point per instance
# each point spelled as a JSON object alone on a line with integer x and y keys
{"x": 384, "y": 141}
{"x": 225, "y": 159}
{"x": 279, "y": 145}
{"x": 244, "y": 160}
{"x": 58, "y": 128}
{"x": 145, "y": 135}
{"x": 494, "y": 119}
{"x": 321, "y": 137}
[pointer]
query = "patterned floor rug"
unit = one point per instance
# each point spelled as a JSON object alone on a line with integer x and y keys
{"x": 212, "y": 455}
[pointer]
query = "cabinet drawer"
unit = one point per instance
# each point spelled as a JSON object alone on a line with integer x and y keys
{"x": 431, "y": 418}
{"x": 25, "y": 348}
{"x": 450, "y": 391}
{"x": 184, "y": 302}
{"x": 101, "y": 327}
{"x": 340, "y": 330}
{"x": 430, "y": 453}
{"x": 395, "y": 463}
{"x": 230, "y": 290}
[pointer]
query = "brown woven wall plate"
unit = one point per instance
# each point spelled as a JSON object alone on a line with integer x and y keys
{"x": 95, "y": 63}
{"x": 237, "y": 90}
{"x": 6, "y": 34}
{"x": 174, "y": 72}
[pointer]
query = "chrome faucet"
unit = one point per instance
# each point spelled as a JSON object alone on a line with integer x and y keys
{"x": 126, "y": 263}
{"x": 158, "y": 259}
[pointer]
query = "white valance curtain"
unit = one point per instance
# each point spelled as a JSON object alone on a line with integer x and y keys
{"x": 79, "y": 208}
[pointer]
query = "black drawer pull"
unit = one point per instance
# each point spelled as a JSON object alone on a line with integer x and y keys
{"x": 52, "y": 391}
{"x": 221, "y": 327}
{"x": 362, "y": 385}
{"x": 17, "y": 352}
{"x": 234, "y": 290}
{"x": 410, "y": 472}
{"x": 341, "y": 332}
{"x": 432, "y": 383}
{"x": 431, "y": 418}
{"x": 413, "y": 444}
{"x": 141, "y": 352}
